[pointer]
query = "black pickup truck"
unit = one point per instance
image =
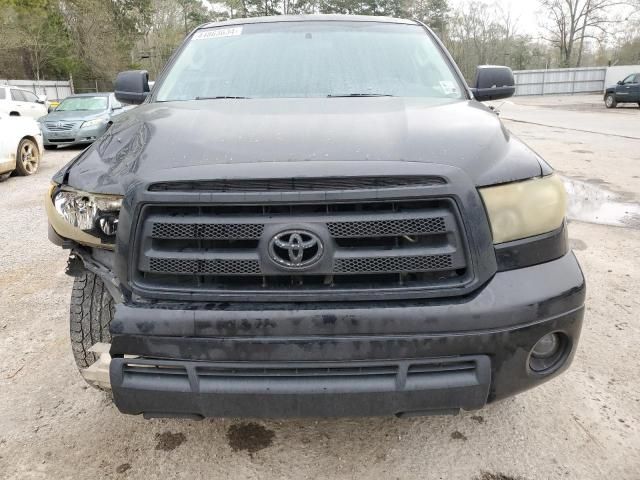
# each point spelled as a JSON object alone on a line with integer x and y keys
{"x": 315, "y": 216}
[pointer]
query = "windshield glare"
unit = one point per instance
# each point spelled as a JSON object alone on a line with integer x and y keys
{"x": 310, "y": 59}
{"x": 83, "y": 103}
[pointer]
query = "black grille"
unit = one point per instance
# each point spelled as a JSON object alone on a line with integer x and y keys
{"x": 414, "y": 226}
{"x": 204, "y": 267}
{"x": 297, "y": 184}
{"x": 393, "y": 264}
{"x": 398, "y": 371}
{"x": 240, "y": 231}
{"x": 309, "y": 370}
{"x": 369, "y": 246}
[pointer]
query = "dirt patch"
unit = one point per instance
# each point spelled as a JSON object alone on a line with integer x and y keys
{"x": 459, "y": 436}
{"x": 496, "y": 476}
{"x": 581, "y": 151}
{"x": 478, "y": 418}
{"x": 123, "y": 467}
{"x": 250, "y": 437}
{"x": 168, "y": 441}
{"x": 577, "y": 244}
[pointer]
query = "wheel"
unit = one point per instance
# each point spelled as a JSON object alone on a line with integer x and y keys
{"x": 610, "y": 100}
{"x": 92, "y": 308}
{"x": 50, "y": 147}
{"x": 27, "y": 157}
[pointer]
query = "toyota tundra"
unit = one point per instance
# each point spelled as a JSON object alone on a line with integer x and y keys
{"x": 315, "y": 216}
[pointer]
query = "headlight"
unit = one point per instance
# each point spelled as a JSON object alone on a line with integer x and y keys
{"x": 524, "y": 209}
{"x": 94, "y": 122}
{"x": 87, "y": 218}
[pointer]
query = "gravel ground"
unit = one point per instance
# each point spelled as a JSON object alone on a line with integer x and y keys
{"x": 582, "y": 425}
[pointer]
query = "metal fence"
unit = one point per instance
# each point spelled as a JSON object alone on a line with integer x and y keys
{"x": 560, "y": 80}
{"x": 53, "y": 89}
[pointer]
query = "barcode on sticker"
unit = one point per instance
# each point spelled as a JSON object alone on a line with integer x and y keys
{"x": 217, "y": 33}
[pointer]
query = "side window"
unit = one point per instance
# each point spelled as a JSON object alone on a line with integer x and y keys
{"x": 2, "y": 93}
{"x": 636, "y": 79}
{"x": 628, "y": 80}
{"x": 16, "y": 95}
{"x": 29, "y": 97}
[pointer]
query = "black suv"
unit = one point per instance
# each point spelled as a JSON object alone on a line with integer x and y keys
{"x": 625, "y": 91}
{"x": 315, "y": 216}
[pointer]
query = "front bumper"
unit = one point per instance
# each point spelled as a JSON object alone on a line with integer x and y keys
{"x": 344, "y": 359}
{"x": 77, "y": 136}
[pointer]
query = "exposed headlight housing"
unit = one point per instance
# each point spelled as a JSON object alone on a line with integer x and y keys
{"x": 524, "y": 209}
{"x": 94, "y": 122}
{"x": 87, "y": 218}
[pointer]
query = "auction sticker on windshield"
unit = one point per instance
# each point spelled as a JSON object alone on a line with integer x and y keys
{"x": 217, "y": 33}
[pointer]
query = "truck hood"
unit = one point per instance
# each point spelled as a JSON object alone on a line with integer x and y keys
{"x": 255, "y": 138}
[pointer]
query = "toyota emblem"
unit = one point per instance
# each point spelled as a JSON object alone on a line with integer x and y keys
{"x": 295, "y": 249}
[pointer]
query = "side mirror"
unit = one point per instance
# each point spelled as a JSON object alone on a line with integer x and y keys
{"x": 132, "y": 86}
{"x": 493, "y": 83}
{"x": 42, "y": 99}
{"x": 620, "y": 82}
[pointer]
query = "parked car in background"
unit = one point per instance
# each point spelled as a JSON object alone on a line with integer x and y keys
{"x": 625, "y": 91}
{"x": 20, "y": 145}
{"x": 80, "y": 119}
{"x": 20, "y": 102}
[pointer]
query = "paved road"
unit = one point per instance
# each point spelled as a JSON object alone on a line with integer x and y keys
{"x": 585, "y": 113}
{"x": 584, "y": 425}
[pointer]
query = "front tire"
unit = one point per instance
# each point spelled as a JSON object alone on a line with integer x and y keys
{"x": 27, "y": 157}
{"x": 92, "y": 309}
{"x": 610, "y": 100}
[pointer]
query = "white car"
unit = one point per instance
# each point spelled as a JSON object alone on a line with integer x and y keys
{"x": 20, "y": 102}
{"x": 20, "y": 145}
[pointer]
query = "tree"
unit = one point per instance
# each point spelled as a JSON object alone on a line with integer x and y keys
{"x": 474, "y": 37}
{"x": 193, "y": 13}
{"x": 33, "y": 32}
{"x": 569, "y": 22}
{"x": 434, "y": 13}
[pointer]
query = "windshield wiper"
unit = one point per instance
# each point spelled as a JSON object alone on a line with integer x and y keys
{"x": 361, "y": 95}
{"x": 216, "y": 98}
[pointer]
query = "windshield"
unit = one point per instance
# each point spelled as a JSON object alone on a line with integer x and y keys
{"x": 82, "y": 103}
{"x": 310, "y": 59}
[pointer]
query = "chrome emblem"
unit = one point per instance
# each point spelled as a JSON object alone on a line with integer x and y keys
{"x": 59, "y": 124}
{"x": 295, "y": 249}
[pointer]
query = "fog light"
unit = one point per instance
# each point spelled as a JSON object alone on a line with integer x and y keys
{"x": 547, "y": 346}
{"x": 548, "y": 353}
